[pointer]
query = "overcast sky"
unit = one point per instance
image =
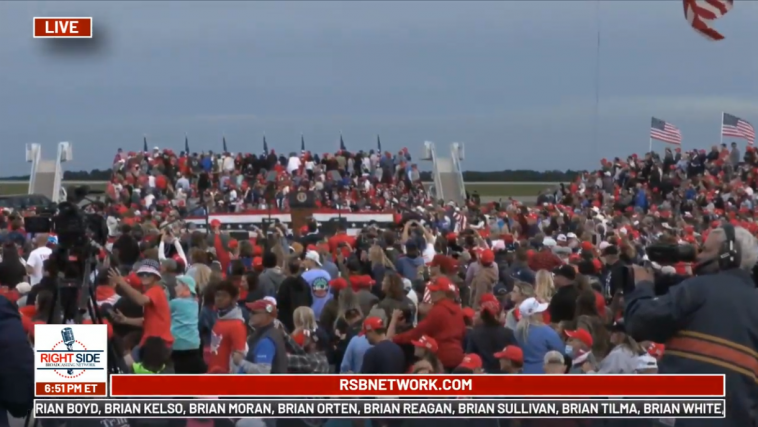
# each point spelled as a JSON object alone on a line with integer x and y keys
{"x": 514, "y": 80}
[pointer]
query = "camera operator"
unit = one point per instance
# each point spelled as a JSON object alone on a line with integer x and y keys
{"x": 709, "y": 323}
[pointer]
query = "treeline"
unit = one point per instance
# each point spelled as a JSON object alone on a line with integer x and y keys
{"x": 521, "y": 175}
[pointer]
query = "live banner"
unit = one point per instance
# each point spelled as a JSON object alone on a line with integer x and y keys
{"x": 381, "y": 407}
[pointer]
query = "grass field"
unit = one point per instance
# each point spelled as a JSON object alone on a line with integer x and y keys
{"x": 23, "y": 187}
{"x": 506, "y": 189}
{"x": 488, "y": 190}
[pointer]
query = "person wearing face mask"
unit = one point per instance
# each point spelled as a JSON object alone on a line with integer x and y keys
{"x": 579, "y": 348}
{"x": 709, "y": 323}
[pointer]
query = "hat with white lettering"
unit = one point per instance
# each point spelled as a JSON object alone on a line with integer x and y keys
{"x": 371, "y": 324}
{"x": 471, "y": 361}
{"x": 426, "y": 342}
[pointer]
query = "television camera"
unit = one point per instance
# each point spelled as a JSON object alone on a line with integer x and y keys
{"x": 80, "y": 235}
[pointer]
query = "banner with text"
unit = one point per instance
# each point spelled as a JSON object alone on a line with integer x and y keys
{"x": 384, "y": 408}
{"x": 417, "y": 385}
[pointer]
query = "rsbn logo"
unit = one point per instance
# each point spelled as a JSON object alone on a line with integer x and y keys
{"x": 70, "y": 354}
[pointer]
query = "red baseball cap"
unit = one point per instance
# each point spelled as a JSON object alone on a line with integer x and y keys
{"x": 581, "y": 335}
{"x": 471, "y": 361}
{"x": 371, "y": 324}
{"x": 487, "y": 256}
{"x": 338, "y": 283}
{"x": 656, "y": 350}
{"x": 441, "y": 283}
{"x": 262, "y": 305}
{"x": 427, "y": 343}
{"x": 215, "y": 223}
{"x": 512, "y": 353}
{"x": 468, "y": 313}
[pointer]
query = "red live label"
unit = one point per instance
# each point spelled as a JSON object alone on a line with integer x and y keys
{"x": 62, "y": 28}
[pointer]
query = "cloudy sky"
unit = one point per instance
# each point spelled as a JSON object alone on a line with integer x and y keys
{"x": 514, "y": 80}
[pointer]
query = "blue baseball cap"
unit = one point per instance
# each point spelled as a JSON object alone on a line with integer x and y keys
{"x": 524, "y": 275}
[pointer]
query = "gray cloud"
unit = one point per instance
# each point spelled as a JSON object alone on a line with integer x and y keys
{"x": 513, "y": 80}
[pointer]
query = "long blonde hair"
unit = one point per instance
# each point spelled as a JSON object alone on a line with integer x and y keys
{"x": 377, "y": 257}
{"x": 304, "y": 318}
{"x": 522, "y": 327}
{"x": 545, "y": 288}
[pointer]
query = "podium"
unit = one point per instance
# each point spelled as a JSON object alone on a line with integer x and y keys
{"x": 302, "y": 205}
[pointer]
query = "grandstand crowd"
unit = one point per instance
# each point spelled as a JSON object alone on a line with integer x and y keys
{"x": 555, "y": 287}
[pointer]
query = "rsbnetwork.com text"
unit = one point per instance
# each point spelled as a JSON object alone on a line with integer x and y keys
{"x": 412, "y": 384}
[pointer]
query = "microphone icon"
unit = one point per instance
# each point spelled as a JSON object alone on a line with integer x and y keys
{"x": 68, "y": 341}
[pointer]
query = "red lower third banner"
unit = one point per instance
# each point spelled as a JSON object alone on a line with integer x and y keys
{"x": 418, "y": 385}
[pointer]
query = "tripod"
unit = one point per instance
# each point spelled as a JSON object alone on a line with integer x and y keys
{"x": 80, "y": 292}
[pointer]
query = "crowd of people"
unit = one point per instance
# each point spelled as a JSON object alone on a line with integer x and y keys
{"x": 569, "y": 285}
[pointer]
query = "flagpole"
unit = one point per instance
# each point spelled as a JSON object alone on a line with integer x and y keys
{"x": 721, "y": 130}
{"x": 650, "y": 145}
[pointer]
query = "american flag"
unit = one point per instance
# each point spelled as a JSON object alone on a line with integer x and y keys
{"x": 738, "y": 128}
{"x": 701, "y": 13}
{"x": 460, "y": 222}
{"x": 664, "y": 131}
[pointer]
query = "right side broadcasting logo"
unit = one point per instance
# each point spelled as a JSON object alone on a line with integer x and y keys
{"x": 71, "y": 360}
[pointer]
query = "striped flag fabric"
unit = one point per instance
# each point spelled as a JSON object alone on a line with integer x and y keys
{"x": 701, "y": 14}
{"x": 662, "y": 130}
{"x": 737, "y": 127}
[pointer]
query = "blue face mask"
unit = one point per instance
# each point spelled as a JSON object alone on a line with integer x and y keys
{"x": 569, "y": 350}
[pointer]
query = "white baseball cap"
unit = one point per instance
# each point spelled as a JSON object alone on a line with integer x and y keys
{"x": 571, "y": 236}
{"x": 561, "y": 238}
{"x": 531, "y": 306}
{"x": 646, "y": 361}
{"x": 603, "y": 245}
{"x": 313, "y": 256}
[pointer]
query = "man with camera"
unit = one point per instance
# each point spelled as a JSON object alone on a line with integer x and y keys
{"x": 709, "y": 323}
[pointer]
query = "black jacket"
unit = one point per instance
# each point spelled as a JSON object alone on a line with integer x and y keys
{"x": 486, "y": 340}
{"x": 710, "y": 326}
{"x": 17, "y": 369}
{"x": 563, "y": 304}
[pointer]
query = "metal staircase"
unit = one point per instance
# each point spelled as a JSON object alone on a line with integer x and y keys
{"x": 446, "y": 173}
{"x": 46, "y": 177}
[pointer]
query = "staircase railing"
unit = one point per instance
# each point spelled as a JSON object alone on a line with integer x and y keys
{"x": 455, "y": 154}
{"x": 64, "y": 155}
{"x": 33, "y": 155}
{"x": 435, "y": 173}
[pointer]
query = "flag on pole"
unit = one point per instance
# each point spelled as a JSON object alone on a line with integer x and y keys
{"x": 736, "y": 127}
{"x": 223, "y": 140}
{"x": 342, "y": 144}
{"x": 144, "y": 144}
{"x": 663, "y": 131}
{"x": 265, "y": 145}
{"x": 378, "y": 144}
{"x": 186, "y": 144}
{"x": 701, "y": 14}
{"x": 302, "y": 143}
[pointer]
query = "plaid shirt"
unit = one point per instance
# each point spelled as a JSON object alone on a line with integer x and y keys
{"x": 300, "y": 362}
{"x": 544, "y": 260}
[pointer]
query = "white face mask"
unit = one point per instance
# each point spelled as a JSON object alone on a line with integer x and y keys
{"x": 569, "y": 350}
